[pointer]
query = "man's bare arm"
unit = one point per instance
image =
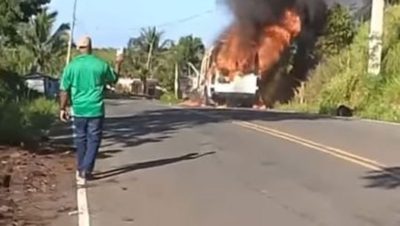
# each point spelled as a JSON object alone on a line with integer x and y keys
{"x": 64, "y": 100}
{"x": 117, "y": 68}
{"x": 112, "y": 75}
{"x": 118, "y": 62}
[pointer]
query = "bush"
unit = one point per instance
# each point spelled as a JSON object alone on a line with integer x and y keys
{"x": 40, "y": 116}
{"x": 13, "y": 88}
{"x": 169, "y": 98}
{"x": 25, "y": 116}
{"x": 343, "y": 78}
{"x": 26, "y": 121}
{"x": 11, "y": 124}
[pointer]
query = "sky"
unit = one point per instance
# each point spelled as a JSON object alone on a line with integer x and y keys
{"x": 111, "y": 23}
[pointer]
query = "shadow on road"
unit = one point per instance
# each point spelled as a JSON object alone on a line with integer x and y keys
{"x": 388, "y": 178}
{"x": 158, "y": 125}
{"x": 146, "y": 165}
{"x": 108, "y": 153}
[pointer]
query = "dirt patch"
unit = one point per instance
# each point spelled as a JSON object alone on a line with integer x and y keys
{"x": 36, "y": 188}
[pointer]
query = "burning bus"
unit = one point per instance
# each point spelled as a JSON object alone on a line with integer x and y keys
{"x": 241, "y": 68}
{"x": 234, "y": 69}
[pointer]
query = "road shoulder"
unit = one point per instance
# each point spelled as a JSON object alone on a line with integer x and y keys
{"x": 39, "y": 190}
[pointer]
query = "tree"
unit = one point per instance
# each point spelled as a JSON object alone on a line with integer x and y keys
{"x": 150, "y": 54}
{"x": 150, "y": 42}
{"x": 189, "y": 50}
{"x": 339, "y": 31}
{"x": 46, "y": 47}
{"x": 17, "y": 59}
{"x": 13, "y": 12}
{"x": 145, "y": 53}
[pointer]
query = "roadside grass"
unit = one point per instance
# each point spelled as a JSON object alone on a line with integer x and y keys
{"x": 25, "y": 116}
{"x": 343, "y": 79}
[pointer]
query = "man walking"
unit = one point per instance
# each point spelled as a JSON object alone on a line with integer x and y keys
{"x": 83, "y": 83}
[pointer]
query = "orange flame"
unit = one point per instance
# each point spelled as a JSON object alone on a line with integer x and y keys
{"x": 236, "y": 58}
{"x": 276, "y": 38}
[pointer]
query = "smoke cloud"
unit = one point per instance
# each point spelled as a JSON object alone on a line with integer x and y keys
{"x": 252, "y": 15}
{"x": 248, "y": 33}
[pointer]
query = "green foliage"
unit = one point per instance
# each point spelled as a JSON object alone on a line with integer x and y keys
{"x": 40, "y": 116}
{"x": 169, "y": 98}
{"x": 34, "y": 46}
{"x": 46, "y": 47}
{"x": 339, "y": 31}
{"x": 189, "y": 49}
{"x": 14, "y": 12}
{"x": 151, "y": 56}
{"x": 28, "y": 43}
{"x": 23, "y": 116}
{"x": 11, "y": 121}
{"x": 107, "y": 54}
{"x": 146, "y": 53}
{"x": 12, "y": 87}
{"x": 26, "y": 121}
{"x": 343, "y": 79}
{"x": 17, "y": 59}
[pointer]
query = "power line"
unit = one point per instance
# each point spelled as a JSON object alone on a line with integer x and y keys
{"x": 171, "y": 23}
{"x": 183, "y": 20}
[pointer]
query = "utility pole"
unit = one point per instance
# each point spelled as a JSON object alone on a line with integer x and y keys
{"x": 71, "y": 32}
{"x": 176, "y": 81}
{"x": 375, "y": 37}
{"x": 71, "y": 35}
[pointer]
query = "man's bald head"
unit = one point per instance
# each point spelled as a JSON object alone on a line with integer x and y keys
{"x": 85, "y": 45}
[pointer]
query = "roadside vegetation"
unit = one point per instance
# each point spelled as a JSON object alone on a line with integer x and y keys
{"x": 32, "y": 172}
{"x": 341, "y": 77}
{"x": 152, "y": 56}
{"x": 27, "y": 44}
{"x": 30, "y": 42}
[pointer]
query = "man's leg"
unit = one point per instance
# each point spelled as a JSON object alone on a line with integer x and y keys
{"x": 80, "y": 134}
{"x": 95, "y": 132}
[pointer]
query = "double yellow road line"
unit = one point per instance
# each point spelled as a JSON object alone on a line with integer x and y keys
{"x": 336, "y": 152}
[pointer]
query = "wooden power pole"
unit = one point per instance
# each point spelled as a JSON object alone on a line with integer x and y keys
{"x": 71, "y": 32}
{"x": 176, "y": 81}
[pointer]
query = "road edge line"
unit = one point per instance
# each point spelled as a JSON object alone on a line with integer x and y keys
{"x": 82, "y": 201}
{"x": 354, "y": 119}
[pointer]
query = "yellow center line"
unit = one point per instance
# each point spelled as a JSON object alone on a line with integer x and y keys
{"x": 302, "y": 140}
{"x": 336, "y": 152}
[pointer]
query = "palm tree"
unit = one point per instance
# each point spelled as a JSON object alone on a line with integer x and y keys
{"x": 145, "y": 52}
{"x": 150, "y": 41}
{"x": 46, "y": 47}
{"x": 151, "y": 55}
{"x": 189, "y": 53}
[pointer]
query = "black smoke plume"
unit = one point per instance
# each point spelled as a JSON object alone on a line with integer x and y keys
{"x": 252, "y": 16}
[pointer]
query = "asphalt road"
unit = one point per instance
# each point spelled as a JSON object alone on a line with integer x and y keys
{"x": 161, "y": 166}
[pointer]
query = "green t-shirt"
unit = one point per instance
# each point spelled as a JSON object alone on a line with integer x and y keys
{"x": 85, "y": 79}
